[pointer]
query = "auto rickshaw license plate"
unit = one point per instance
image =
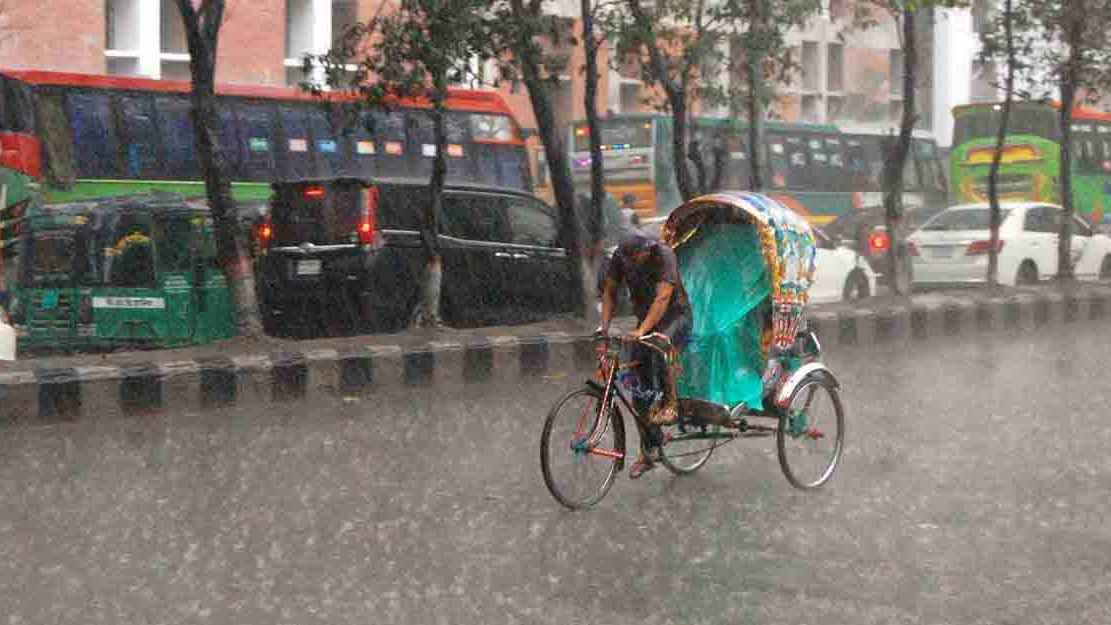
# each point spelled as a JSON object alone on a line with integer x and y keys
{"x": 308, "y": 267}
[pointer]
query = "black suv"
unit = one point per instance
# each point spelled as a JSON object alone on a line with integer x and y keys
{"x": 347, "y": 251}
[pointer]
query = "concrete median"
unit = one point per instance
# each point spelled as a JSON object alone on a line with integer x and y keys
{"x": 303, "y": 370}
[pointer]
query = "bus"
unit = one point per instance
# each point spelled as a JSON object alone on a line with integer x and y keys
{"x": 1031, "y": 155}
{"x": 819, "y": 170}
{"x": 76, "y": 137}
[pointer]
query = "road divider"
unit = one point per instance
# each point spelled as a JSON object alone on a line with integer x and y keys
{"x": 305, "y": 371}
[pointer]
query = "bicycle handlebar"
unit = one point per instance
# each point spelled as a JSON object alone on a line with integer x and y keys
{"x": 646, "y": 340}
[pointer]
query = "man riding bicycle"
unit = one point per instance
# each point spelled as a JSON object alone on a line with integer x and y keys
{"x": 650, "y": 271}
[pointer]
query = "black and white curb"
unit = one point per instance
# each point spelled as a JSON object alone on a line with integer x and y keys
{"x": 52, "y": 395}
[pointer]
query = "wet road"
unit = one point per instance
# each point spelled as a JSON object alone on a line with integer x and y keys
{"x": 974, "y": 489}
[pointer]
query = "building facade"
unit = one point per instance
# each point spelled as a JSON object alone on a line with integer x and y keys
{"x": 846, "y": 76}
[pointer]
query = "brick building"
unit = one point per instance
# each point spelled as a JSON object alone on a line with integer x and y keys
{"x": 846, "y": 77}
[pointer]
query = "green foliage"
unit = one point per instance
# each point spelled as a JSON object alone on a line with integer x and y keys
{"x": 1080, "y": 50}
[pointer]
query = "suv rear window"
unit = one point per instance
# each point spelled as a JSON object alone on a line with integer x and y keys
{"x": 318, "y": 213}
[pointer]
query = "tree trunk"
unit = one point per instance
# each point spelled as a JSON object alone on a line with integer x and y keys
{"x": 676, "y": 99}
{"x": 1000, "y": 139}
{"x": 893, "y": 166}
{"x": 592, "y": 257}
{"x": 559, "y": 167}
{"x": 427, "y": 313}
{"x": 202, "y": 33}
{"x": 694, "y": 153}
{"x": 755, "y": 101}
{"x": 1064, "y": 238}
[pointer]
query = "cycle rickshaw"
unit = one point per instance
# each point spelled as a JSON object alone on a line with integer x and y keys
{"x": 751, "y": 368}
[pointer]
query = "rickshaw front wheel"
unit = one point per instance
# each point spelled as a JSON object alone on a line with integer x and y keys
{"x": 811, "y": 434}
{"x": 580, "y": 454}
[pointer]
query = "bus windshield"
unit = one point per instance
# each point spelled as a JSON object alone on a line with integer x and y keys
{"x": 624, "y": 133}
{"x": 978, "y": 123}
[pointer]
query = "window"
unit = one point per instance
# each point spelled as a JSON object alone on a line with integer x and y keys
{"x": 139, "y": 137}
{"x": 476, "y": 217}
{"x": 298, "y": 159}
{"x": 121, "y": 26}
{"x": 94, "y": 134}
{"x": 345, "y": 13}
{"x": 1040, "y": 219}
{"x": 325, "y": 143}
{"x": 962, "y": 219}
{"x": 176, "y": 237}
{"x": 835, "y": 67}
{"x": 981, "y": 15}
{"x": 809, "y": 66}
{"x": 895, "y": 60}
{"x": 298, "y": 28}
{"x": 178, "y": 137}
{"x": 173, "y": 30}
{"x": 531, "y": 222}
{"x": 230, "y": 143}
{"x": 257, "y": 122}
{"x": 130, "y": 260}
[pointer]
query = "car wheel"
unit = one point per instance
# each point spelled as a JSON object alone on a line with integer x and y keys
{"x": 1105, "y": 269}
{"x": 856, "y": 287}
{"x": 1027, "y": 274}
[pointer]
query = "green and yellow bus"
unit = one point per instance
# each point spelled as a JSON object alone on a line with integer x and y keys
{"x": 819, "y": 170}
{"x": 1030, "y": 161}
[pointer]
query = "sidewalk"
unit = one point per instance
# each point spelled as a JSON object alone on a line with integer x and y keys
{"x": 240, "y": 371}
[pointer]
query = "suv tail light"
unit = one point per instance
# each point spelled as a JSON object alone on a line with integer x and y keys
{"x": 314, "y": 193}
{"x": 265, "y": 233}
{"x": 983, "y": 247}
{"x": 368, "y": 225}
{"x": 878, "y": 242}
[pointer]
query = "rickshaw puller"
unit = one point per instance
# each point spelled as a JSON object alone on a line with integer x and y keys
{"x": 649, "y": 269}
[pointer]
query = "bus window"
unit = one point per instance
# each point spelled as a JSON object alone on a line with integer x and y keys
{"x": 17, "y": 113}
{"x": 1083, "y": 151}
{"x": 837, "y": 170}
{"x": 738, "y": 168}
{"x": 359, "y": 147}
{"x": 297, "y": 159}
{"x": 777, "y": 161}
{"x": 56, "y": 138}
{"x": 800, "y": 172}
{"x": 139, "y": 136}
{"x": 178, "y": 137}
{"x": 230, "y": 143}
{"x": 1104, "y": 136}
{"x": 325, "y": 144}
{"x": 94, "y": 134}
{"x": 388, "y": 130}
{"x": 512, "y": 168}
{"x": 256, "y": 124}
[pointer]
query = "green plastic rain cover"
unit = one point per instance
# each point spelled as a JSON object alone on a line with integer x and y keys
{"x": 726, "y": 280}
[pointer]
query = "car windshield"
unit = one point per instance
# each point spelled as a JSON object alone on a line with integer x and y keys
{"x": 963, "y": 219}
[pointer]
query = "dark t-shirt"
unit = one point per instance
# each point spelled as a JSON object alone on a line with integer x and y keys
{"x": 660, "y": 266}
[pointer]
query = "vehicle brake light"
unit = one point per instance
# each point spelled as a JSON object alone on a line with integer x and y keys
{"x": 369, "y": 225}
{"x": 265, "y": 232}
{"x": 982, "y": 247}
{"x": 878, "y": 242}
{"x": 314, "y": 193}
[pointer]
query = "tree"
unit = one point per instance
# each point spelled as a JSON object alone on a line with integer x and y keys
{"x": 760, "y": 32}
{"x": 418, "y": 48}
{"x": 1077, "y": 60}
{"x": 905, "y": 13}
{"x": 515, "y": 31}
{"x": 202, "y": 22}
{"x": 1001, "y": 45}
{"x": 597, "y": 166}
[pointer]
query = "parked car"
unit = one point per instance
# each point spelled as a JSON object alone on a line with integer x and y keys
{"x": 866, "y": 232}
{"x": 347, "y": 252}
{"x": 952, "y": 248}
{"x": 7, "y": 337}
{"x": 842, "y": 274}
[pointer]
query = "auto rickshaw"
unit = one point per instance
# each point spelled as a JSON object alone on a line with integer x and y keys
{"x": 751, "y": 367}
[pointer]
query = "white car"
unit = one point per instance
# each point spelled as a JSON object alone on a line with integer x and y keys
{"x": 7, "y": 337}
{"x": 952, "y": 247}
{"x": 841, "y": 273}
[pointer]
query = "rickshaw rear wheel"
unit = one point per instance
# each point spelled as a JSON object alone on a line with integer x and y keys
{"x": 577, "y": 477}
{"x": 684, "y": 456}
{"x": 811, "y": 433}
